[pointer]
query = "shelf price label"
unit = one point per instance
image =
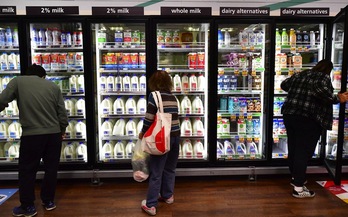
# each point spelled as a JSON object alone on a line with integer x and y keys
{"x": 57, "y": 10}
{"x": 117, "y": 11}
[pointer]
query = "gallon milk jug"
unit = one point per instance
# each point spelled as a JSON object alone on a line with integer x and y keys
{"x": 12, "y": 108}
{"x": 126, "y": 83}
{"x": 252, "y": 148}
{"x": 180, "y": 151}
{"x": 186, "y": 106}
{"x": 185, "y": 82}
{"x": 240, "y": 148}
{"x": 177, "y": 83}
{"x": 187, "y": 150}
{"x": 334, "y": 150}
{"x": 13, "y": 151}
{"x": 64, "y": 144}
{"x": 80, "y": 107}
{"x": 119, "y": 106}
{"x": 198, "y": 149}
{"x": 141, "y": 105}
{"x": 69, "y": 152}
{"x": 119, "y": 151}
{"x": 119, "y": 127}
{"x": 201, "y": 82}
{"x": 3, "y": 130}
{"x": 6, "y": 148}
{"x": 73, "y": 84}
{"x": 140, "y": 125}
{"x": 186, "y": 127}
{"x": 198, "y": 128}
{"x": 107, "y": 150}
{"x": 14, "y": 130}
{"x": 81, "y": 84}
{"x": 80, "y": 130}
{"x": 70, "y": 107}
{"x": 197, "y": 105}
{"x": 142, "y": 83}
{"x": 131, "y": 106}
{"x": 134, "y": 83}
{"x": 179, "y": 105}
{"x": 70, "y": 130}
{"x": 107, "y": 128}
{"x": 193, "y": 83}
{"x": 5, "y": 81}
{"x": 229, "y": 148}
{"x": 110, "y": 83}
{"x": 131, "y": 128}
{"x": 103, "y": 83}
{"x": 106, "y": 106}
{"x": 129, "y": 149}
{"x": 81, "y": 152}
{"x": 118, "y": 83}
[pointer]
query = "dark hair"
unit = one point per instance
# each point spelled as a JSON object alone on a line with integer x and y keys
{"x": 324, "y": 66}
{"x": 36, "y": 70}
{"x": 160, "y": 80}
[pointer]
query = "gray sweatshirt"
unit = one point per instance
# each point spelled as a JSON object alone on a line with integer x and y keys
{"x": 40, "y": 103}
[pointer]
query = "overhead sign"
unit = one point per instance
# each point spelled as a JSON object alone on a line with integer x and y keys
{"x": 58, "y": 10}
{"x": 241, "y": 11}
{"x": 117, "y": 11}
{"x": 8, "y": 10}
{"x": 186, "y": 11}
{"x": 304, "y": 11}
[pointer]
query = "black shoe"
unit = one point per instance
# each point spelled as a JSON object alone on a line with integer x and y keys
{"x": 303, "y": 194}
{"x": 49, "y": 205}
{"x": 27, "y": 211}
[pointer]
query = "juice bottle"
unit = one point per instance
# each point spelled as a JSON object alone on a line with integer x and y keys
{"x": 285, "y": 38}
{"x": 292, "y": 37}
{"x": 278, "y": 38}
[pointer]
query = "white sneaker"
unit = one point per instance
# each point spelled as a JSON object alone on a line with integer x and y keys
{"x": 150, "y": 211}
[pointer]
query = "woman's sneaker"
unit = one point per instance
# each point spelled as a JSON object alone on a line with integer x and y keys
{"x": 303, "y": 194}
{"x": 24, "y": 211}
{"x": 168, "y": 201}
{"x": 148, "y": 210}
{"x": 49, "y": 205}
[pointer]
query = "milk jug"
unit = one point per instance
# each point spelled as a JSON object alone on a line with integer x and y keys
{"x": 240, "y": 148}
{"x": 81, "y": 152}
{"x": 80, "y": 130}
{"x": 126, "y": 83}
{"x": 64, "y": 144}
{"x": 12, "y": 108}
{"x": 186, "y": 106}
{"x": 229, "y": 148}
{"x": 119, "y": 106}
{"x": 187, "y": 150}
{"x": 177, "y": 83}
{"x": 70, "y": 107}
{"x": 252, "y": 148}
{"x": 193, "y": 83}
{"x": 107, "y": 128}
{"x": 119, "y": 151}
{"x": 81, "y": 84}
{"x": 186, "y": 127}
{"x": 129, "y": 149}
{"x": 131, "y": 128}
{"x": 103, "y": 83}
{"x": 13, "y": 151}
{"x": 334, "y": 150}
{"x": 119, "y": 127}
{"x": 141, "y": 105}
{"x": 134, "y": 83}
{"x": 185, "y": 82}
{"x": 5, "y": 81}
{"x": 180, "y": 151}
{"x": 107, "y": 150}
{"x": 3, "y": 130}
{"x": 197, "y": 105}
{"x": 179, "y": 106}
{"x": 198, "y": 128}
{"x": 106, "y": 106}
{"x": 73, "y": 84}
{"x": 2, "y": 153}
{"x": 140, "y": 125}
{"x": 6, "y": 148}
{"x": 69, "y": 152}
{"x": 131, "y": 106}
{"x": 70, "y": 130}
{"x": 110, "y": 83}
{"x": 198, "y": 149}
{"x": 142, "y": 83}
{"x": 118, "y": 83}
{"x": 201, "y": 82}
{"x": 80, "y": 107}
{"x": 14, "y": 129}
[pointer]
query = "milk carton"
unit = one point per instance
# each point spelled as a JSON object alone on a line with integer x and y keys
{"x": 119, "y": 127}
{"x": 141, "y": 105}
{"x": 131, "y": 128}
{"x": 80, "y": 107}
{"x": 119, "y": 107}
{"x": 106, "y": 128}
{"x": 131, "y": 106}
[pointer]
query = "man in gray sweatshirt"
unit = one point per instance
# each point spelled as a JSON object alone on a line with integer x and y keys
{"x": 43, "y": 119}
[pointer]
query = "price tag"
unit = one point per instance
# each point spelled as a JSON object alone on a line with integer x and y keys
{"x": 117, "y": 11}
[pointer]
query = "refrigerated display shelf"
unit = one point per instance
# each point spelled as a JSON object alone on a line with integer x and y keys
{"x": 180, "y": 48}
{"x": 115, "y": 70}
{"x": 67, "y": 93}
{"x": 57, "y": 49}
{"x": 184, "y": 115}
{"x": 74, "y": 139}
{"x": 117, "y": 137}
{"x": 238, "y": 136}
{"x": 181, "y": 93}
{"x": 122, "y": 115}
{"x": 241, "y": 48}
{"x": 64, "y": 73}
{"x": 13, "y": 49}
{"x": 9, "y": 72}
{"x": 239, "y": 157}
{"x": 112, "y": 46}
{"x": 13, "y": 160}
{"x": 237, "y": 114}
{"x": 9, "y": 139}
{"x": 240, "y": 92}
{"x": 124, "y": 93}
{"x": 183, "y": 70}
{"x": 13, "y": 117}
{"x": 191, "y": 137}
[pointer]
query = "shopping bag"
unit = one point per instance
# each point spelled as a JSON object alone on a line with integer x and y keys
{"x": 156, "y": 140}
{"x": 140, "y": 163}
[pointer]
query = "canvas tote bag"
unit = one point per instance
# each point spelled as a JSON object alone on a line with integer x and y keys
{"x": 156, "y": 140}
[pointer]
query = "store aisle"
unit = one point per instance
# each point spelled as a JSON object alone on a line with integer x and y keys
{"x": 195, "y": 196}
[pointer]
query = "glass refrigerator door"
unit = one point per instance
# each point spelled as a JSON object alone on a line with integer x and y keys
{"x": 58, "y": 48}
{"x": 10, "y": 130}
{"x": 182, "y": 50}
{"x": 241, "y": 81}
{"x": 298, "y": 47}
{"x": 121, "y": 88}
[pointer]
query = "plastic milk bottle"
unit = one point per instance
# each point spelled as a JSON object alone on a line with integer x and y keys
{"x": 70, "y": 107}
{"x": 198, "y": 128}
{"x": 80, "y": 130}
{"x": 81, "y": 151}
{"x": 141, "y": 105}
{"x": 73, "y": 84}
{"x": 201, "y": 82}
{"x": 140, "y": 125}
{"x": 69, "y": 152}
{"x": 70, "y": 130}
{"x": 142, "y": 83}
{"x": 126, "y": 83}
{"x": 197, "y": 106}
{"x": 185, "y": 82}
{"x": 3, "y": 130}
{"x": 107, "y": 106}
{"x": 186, "y": 127}
{"x": 131, "y": 106}
{"x": 107, "y": 128}
{"x": 134, "y": 83}
{"x": 187, "y": 150}
{"x": 118, "y": 83}
{"x": 177, "y": 83}
{"x": 119, "y": 106}
{"x": 110, "y": 83}
{"x": 186, "y": 106}
{"x": 119, "y": 127}
{"x": 107, "y": 150}
{"x": 198, "y": 149}
{"x": 81, "y": 84}
{"x": 80, "y": 107}
{"x": 193, "y": 83}
{"x": 131, "y": 128}
{"x": 103, "y": 83}
{"x": 129, "y": 149}
{"x": 119, "y": 151}
{"x": 13, "y": 151}
{"x": 14, "y": 130}
{"x": 229, "y": 148}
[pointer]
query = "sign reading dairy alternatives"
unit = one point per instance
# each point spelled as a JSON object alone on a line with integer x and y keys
{"x": 117, "y": 11}
{"x": 8, "y": 10}
{"x": 185, "y": 11}
{"x": 304, "y": 11}
{"x": 241, "y": 11}
{"x": 56, "y": 10}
